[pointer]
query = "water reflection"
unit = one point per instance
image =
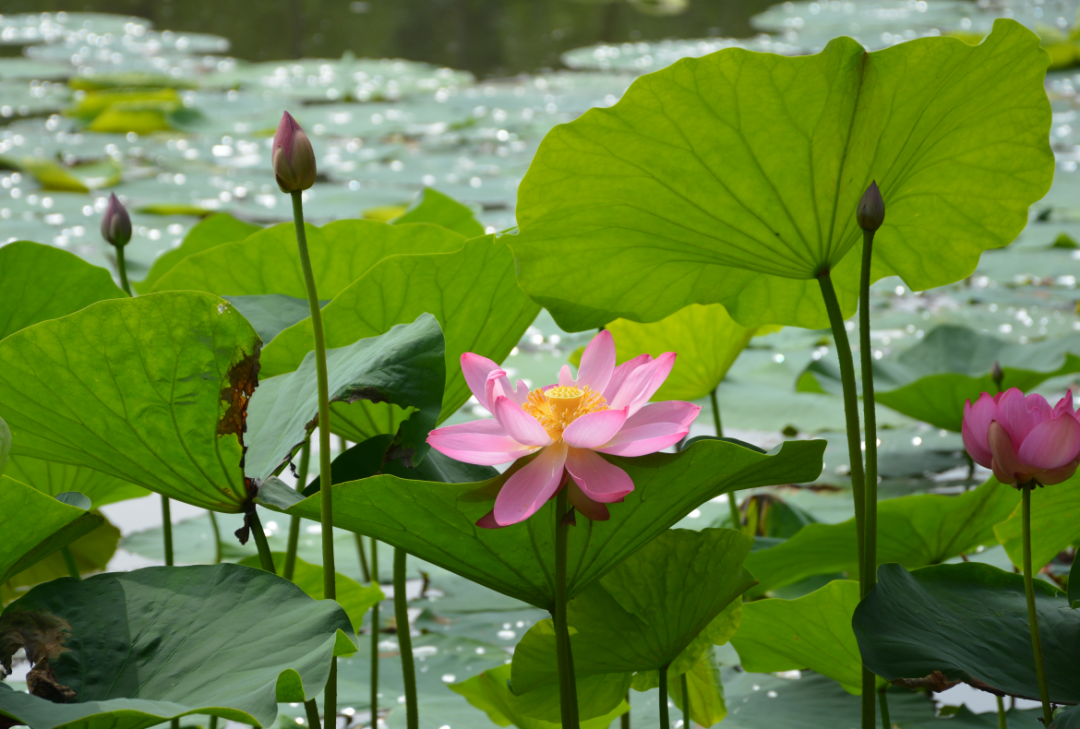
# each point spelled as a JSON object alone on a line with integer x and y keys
{"x": 491, "y": 38}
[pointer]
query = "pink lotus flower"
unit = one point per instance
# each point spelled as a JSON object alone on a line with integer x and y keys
{"x": 604, "y": 410}
{"x": 1023, "y": 439}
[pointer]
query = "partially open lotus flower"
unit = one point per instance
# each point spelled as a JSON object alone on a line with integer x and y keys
{"x": 1023, "y": 439}
{"x": 604, "y": 410}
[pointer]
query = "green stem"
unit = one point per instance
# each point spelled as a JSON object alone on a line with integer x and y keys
{"x": 174, "y": 724}
{"x": 685, "y": 702}
{"x": 312, "y": 710}
{"x": 624, "y": 720}
{"x": 733, "y": 500}
{"x": 665, "y": 721}
{"x": 121, "y": 266}
{"x": 294, "y": 522}
{"x": 886, "y": 722}
{"x": 69, "y": 562}
{"x": 166, "y": 530}
{"x": 213, "y": 722}
{"x": 217, "y": 537}
{"x": 1033, "y": 618}
{"x": 567, "y": 685}
{"x": 1003, "y": 721}
{"x": 363, "y": 557}
{"x": 266, "y": 559}
{"x": 374, "y": 637}
{"x": 401, "y": 616}
{"x": 866, "y": 356}
{"x": 326, "y": 498}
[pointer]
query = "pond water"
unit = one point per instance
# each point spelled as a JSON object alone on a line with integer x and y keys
{"x": 172, "y": 105}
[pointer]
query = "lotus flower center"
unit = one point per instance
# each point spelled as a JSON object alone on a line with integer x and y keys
{"x": 561, "y": 405}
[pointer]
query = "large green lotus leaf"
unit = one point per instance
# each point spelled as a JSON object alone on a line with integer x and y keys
{"x": 212, "y": 231}
{"x": 39, "y": 282}
{"x": 437, "y": 522}
{"x": 734, "y": 179}
{"x": 267, "y": 262}
{"x": 151, "y": 390}
{"x": 55, "y": 478}
{"x": 35, "y": 525}
{"x": 915, "y": 531}
{"x": 404, "y": 366}
{"x": 164, "y": 642}
{"x": 968, "y": 621}
{"x": 354, "y": 598}
{"x": 432, "y": 206}
{"x": 813, "y": 631}
{"x": 91, "y": 553}
{"x": 706, "y": 339}
{"x": 5, "y": 445}
{"x": 472, "y": 292}
{"x": 718, "y": 632}
{"x": 271, "y": 314}
{"x": 490, "y": 693}
{"x": 1055, "y": 523}
{"x": 1066, "y": 718}
{"x": 1074, "y": 585}
{"x": 705, "y": 690}
{"x": 932, "y": 380}
{"x": 642, "y": 615}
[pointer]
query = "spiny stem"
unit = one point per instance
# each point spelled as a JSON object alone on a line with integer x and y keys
{"x": 665, "y": 721}
{"x": 217, "y": 537}
{"x": 266, "y": 559}
{"x": 685, "y": 701}
{"x": 1033, "y": 618}
{"x": 374, "y": 637}
{"x": 69, "y": 562}
{"x": 326, "y": 498}
{"x": 1003, "y": 721}
{"x": 121, "y": 267}
{"x": 567, "y": 685}
{"x": 866, "y": 356}
{"x": 166, "y": 530}
{"x": 294, "y": 522}
{"x": 401, "y": 616}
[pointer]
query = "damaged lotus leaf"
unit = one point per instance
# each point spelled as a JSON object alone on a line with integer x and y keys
{"x": 437, "y": 522}
{"x": 472, "y": 292}
{"x": 404, "y": 366}
{"x": 680, "y": 194}
{"x": 165, "y": 642}
{"x": 951, "y": 365}
{"x": 956, "y": 622}
{"x": 35, "y": 525}
{"x": 173, "y": 425}
{"x": 266, "y": 262}
{"x": 28, "y": 297}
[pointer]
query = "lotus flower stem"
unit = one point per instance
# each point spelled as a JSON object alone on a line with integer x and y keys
{"x": 567, "y": 685}
{"x": 266, "y": 559}
{"x": 883, "y": 697}
{"x": 866, "y": 355}
{"x": 624, "y": 720}
{"x": 401, "y": 617}
{"x": 121, "y": 267}
{"x": 294, "y": 522}
{"x": 312, "y": 710}
{"x": 325, "y": 493}
{"x": 69, "y": 562}
{"x": 665, "y": 722}
{"x": 166, "y": 530}
{"x": 1003, "y": 721}
{"x": 686, "y": 721}
{"x": 1033, "y": 618}
{"x": 363, "y": 557}
{"x": 374, "y": 637}
{"x": 217, "y": 537}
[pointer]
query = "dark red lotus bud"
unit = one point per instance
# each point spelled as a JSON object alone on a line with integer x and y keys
{"x": 293, "y": 157}
{"x": 871, "y": 213}
{"x": 116, "y": 223}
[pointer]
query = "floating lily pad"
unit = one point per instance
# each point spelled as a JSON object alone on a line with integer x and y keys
{"x": 164, "y": 642}
{"x": 915, "y": 531}
{"x": 173, "y": 425}
{"x": 960, "y": 619}
{"x": 403, "y": 366}
{"x": 437, "y": 522}
{"x": 680, "y": 193}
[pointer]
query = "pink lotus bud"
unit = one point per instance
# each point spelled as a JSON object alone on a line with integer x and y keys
{"x": 871, "y": 212}
{"x": 1022, "y": 439}
{"x": 116, "y": 223}
{"x": 293, "y": 157}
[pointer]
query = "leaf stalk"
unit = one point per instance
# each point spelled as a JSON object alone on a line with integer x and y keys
{"x": 401, "y": 617}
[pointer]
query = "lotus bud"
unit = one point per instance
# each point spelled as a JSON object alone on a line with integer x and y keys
{"x": 293, "y": 157}
{"x": 116, "y": 223}
{"x": 997, "y": 374}
{"x": 871, "y": 213}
